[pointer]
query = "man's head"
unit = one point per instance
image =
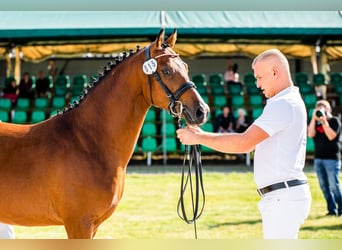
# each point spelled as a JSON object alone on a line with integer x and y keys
{"x": 272, "y": 71}
{"x": 324, "y": 105}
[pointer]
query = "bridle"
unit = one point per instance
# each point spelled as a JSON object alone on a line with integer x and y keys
{"x": 150, "y": 68}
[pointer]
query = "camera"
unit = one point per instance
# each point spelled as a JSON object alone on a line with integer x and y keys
{"x": 320, "y": 112}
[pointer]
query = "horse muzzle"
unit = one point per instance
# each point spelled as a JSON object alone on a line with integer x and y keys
{"x": 198, "y": 116}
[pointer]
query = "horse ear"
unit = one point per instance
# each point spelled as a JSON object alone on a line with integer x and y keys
{"x": 160, "y": 38}
{"x": 171, "y": 40}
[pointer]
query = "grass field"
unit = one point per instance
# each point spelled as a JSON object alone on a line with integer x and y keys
{"x": 148, "y": 208}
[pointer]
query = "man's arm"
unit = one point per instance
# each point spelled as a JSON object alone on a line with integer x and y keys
{"x": 227, "y": 143}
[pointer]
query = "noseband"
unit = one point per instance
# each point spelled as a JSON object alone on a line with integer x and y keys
{"x": 150, "y": 68}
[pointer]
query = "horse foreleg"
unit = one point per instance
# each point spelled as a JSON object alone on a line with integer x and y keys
{"x": 80, "y": 229}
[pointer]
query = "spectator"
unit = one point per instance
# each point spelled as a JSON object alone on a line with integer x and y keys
{"x": 11, "y": 91}
{"x": 231, "y": 76}
{"x": 25, "y": 87}
{"x": 225, "y": 122}
{"x": 42, "y": 85}
{"x": 325, "y": 129}
{"x": 242, "y": 121}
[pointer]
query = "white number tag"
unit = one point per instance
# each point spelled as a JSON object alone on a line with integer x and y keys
{"x": 150, "y": 66}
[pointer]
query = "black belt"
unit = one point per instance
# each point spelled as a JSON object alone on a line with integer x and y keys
{"x": 280, "y": 185}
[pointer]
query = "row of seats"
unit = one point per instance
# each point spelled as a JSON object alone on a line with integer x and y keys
{"x": 30, "y": 111}
{"x": 62, "y": 85}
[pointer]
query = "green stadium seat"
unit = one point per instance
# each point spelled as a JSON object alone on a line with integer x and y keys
{"x": 168, "y": 129}
{"x": 318, "y": 79}
{"x": 150, "y": 116}
{"x": 41, "y": 103}
{"x": 238, "y": 101}
{"x": 256, "y": 113}
{"x": 23, "y": 104}
{"x": 255, "y": 101}
{"x": 202, "y": 89}
{"x": 199, "y": 79}
{"x": 252, "y": 90}
{"x": 234, "y": 89}
{"x": 208, "y": 127}
{"x": 78, "y": 84}
{"x": 4, "y": 116}
{"x": 305, "y": 88}
{"x": 205, "y": 99}
{"x": 61, "y": 85}
{"x": 169, "y": 144}
{"x": 217, "y": 89}
{"x": 310, "y": 145}
{"x": 168, "y": 117}
{"x": 219, "y": 101}
{"x": 336, "y": 78}
{"x": 5, "y": 104}
{"x": 149, "y": 146}
{"x": 58, "y": 102}
{"x": 338, "y": 90}
{"x": 310, "y": 100}
{"x": 301, "y": 78}
{"x": 19, "y": 117}
{"x": 249, "y": 79}
{"x": 53, "y": 112}
{"x": 216, "y": 79}
{"x": 37, "y": 116}
{"x": 149, "y": 129}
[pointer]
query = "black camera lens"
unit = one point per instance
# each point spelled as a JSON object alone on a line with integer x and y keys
{"x": 319, "y": 113}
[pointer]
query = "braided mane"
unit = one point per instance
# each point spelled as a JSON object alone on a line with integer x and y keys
{"x": 96, "y": 80}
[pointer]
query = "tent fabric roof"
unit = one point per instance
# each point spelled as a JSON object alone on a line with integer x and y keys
{"x": 37, "y": 25}
{"x": 38, "y": 33}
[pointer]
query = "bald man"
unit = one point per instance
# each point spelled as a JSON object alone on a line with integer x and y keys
{"x": 278, "y": 137}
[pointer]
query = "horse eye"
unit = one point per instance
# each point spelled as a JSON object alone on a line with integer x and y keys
{"x": 166, "y": 71}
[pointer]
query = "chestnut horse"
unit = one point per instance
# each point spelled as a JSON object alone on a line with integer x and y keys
{"x": 70, "y": 169}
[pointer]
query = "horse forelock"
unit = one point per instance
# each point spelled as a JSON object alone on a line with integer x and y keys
{"x": 96, "y": 80}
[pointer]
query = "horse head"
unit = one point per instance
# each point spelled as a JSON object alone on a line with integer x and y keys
{"x": 169, "y": 85}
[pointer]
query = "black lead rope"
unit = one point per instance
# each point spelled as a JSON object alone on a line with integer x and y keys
{"x": 192, "y": 159}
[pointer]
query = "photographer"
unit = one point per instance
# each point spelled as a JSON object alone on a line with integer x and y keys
{"x": 325, "y": 128}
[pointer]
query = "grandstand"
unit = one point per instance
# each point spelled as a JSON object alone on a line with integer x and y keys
{"x": 157, "y": 141}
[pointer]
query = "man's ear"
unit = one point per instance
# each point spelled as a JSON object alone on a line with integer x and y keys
{"x": 275, "y": 72}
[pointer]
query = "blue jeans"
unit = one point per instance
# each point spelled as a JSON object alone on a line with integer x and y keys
{"x": 328, "y": 177}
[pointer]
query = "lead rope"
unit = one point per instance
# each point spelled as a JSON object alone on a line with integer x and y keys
{"x": 192, "y": 156}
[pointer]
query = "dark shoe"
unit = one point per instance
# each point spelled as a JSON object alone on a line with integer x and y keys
{"x": 331, "y": 214}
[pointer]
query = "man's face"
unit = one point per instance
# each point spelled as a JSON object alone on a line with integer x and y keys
{"x": 264, "y": 75}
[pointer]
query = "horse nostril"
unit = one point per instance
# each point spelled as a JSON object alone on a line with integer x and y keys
{"x": 200, "y": 115}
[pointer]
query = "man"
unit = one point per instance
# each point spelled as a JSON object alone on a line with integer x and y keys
{"x": 279, "y": 139}
{"x": 325, "y": 129}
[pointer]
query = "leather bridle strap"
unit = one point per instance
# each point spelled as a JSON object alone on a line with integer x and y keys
{"x": 173, "y": 97}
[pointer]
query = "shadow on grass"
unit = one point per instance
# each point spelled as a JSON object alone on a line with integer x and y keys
{"x": 323, "y": 227}
{"x": 235, "y": 223}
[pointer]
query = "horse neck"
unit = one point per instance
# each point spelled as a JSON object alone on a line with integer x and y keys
{"x": 113, "y": 113}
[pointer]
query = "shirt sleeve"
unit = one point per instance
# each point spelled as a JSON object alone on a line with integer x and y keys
{"x": 335, "y": 124}
{"x": 276, "y": 116}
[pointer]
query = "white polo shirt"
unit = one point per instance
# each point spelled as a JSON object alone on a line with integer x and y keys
{"x": 281, "y": 156}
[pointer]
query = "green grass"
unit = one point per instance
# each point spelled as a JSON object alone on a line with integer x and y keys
{"x": 148, "y": 209}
